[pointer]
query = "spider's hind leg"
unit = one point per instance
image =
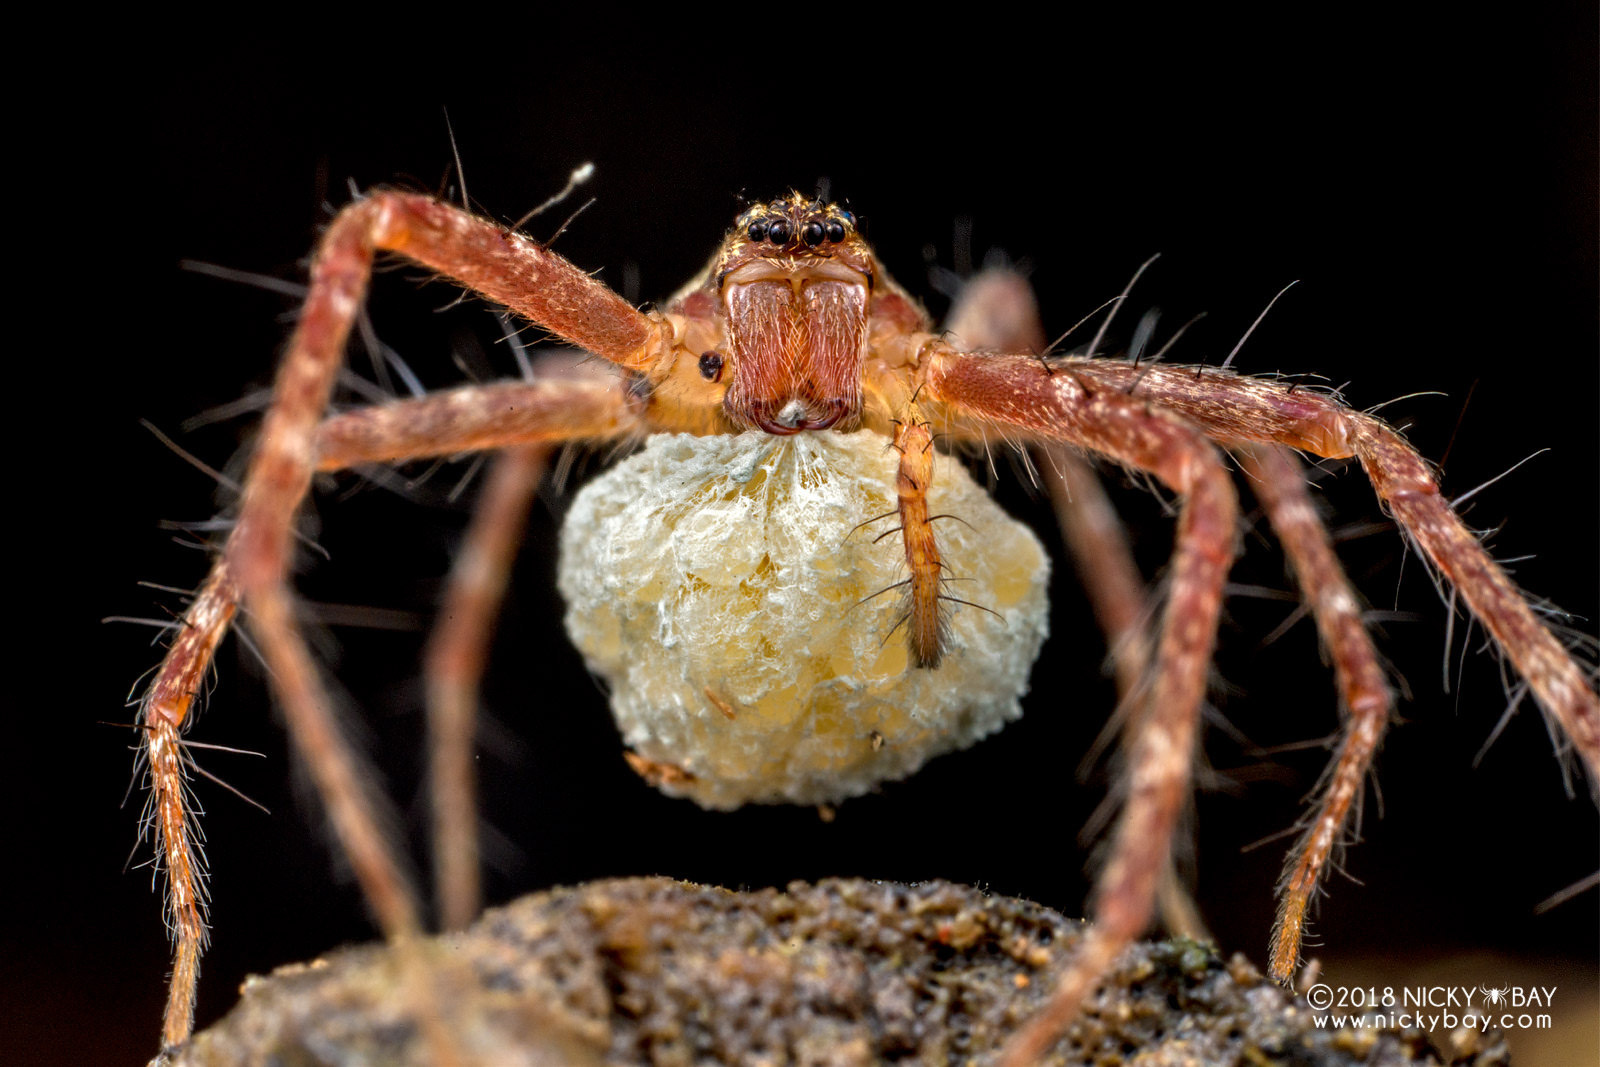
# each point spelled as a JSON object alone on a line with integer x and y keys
{"x": 1098, "y": 543}
{"x": 1279, "y": 483}
{"x": 453, "y": 667}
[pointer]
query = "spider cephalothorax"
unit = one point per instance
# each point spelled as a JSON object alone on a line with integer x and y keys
{"x": 792, "y": 284}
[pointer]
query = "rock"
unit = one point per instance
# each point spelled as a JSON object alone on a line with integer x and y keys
{"x": 842, "y": 973}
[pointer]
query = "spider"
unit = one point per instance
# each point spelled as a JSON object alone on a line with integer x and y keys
{"x": 1497, "y": 996}
{"x": 793, "y": 335}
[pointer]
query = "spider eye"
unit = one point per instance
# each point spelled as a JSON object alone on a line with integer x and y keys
{"x": 758, "y": 230}
{"x": 849, "y": 219}
{"x": 710, "y": 366}
{"x": 812, "y": 233}
{"x": 778, "y": 232}
{"x": 835, "y": 230}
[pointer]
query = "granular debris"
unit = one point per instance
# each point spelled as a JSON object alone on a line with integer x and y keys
{"x": 841, "y": 973}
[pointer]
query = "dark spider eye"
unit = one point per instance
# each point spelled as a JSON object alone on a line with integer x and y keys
{"x": 758, "y": 230}
{"x": 849, "y": 219}
{"x": 778, "y": 232}
{"x": 812, "y": 233}
{"x": 835, "y": 230}
{"x": 710, "y": 366}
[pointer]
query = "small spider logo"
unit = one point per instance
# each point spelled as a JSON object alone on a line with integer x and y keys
{"x": 1495, "y": 996}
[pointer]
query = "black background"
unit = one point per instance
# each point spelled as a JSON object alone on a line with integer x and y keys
{"x": 1432, "y": 186}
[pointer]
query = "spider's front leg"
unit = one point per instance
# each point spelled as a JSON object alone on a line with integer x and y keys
{"x": 1248, "y": 410}
{"x": 1023, "y": 394}
{"x": 251, "y": 570}
{"x": 996, "y": 312}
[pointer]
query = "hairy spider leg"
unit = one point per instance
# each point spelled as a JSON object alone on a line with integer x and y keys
{"x": 252, "y": 568}
{"x": 914, "y": 441}
{"x": 453, "y": 669}
{"x": 1236, "y": 410}
{"x": 1364, "y": 695}
{"x": 1023, "y": 394}
{"x": 1018, "y": 391}
{"x": 996, "y": 311}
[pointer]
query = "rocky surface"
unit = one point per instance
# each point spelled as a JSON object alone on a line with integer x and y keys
{"x": 846, "y": 973}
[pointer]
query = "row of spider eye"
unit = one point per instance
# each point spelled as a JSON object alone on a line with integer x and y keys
{"x": 813, "y": 231}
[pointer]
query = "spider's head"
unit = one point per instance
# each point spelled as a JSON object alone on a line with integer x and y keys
{"x": 793, "y": 281}
{"x": 795, "y": 227}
